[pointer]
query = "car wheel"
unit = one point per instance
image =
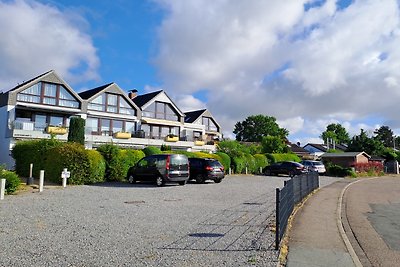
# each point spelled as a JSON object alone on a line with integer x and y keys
{"x": 159, "y": 181}
{"x": 199, "y": 179}
{"x": 182, "y": 182}
{"x": 291, "y": 174}
{"x": 218, "y": 180}
{"x": 131, "y": 179}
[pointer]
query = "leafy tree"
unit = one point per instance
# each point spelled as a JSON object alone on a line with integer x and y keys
{"x": 363, "y": 142}
{"x": 336, "y": 132}
{"x": 76, "y": 131}
{"x": 385, "y": 135}
{"x": 255, "y": 127}
{"x": 273, "y": 144}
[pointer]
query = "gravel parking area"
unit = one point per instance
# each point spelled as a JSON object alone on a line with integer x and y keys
{"x": 118, "y": 224}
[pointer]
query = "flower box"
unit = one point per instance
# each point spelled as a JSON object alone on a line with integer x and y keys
{"x": 56, "y": 130}
{"x": 199, "y": 143}
{"x": 170, "y": 138}
{"x": 122, "y": 135}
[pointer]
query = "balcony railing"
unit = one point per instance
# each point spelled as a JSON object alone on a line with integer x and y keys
{"x": 39, "y": 127}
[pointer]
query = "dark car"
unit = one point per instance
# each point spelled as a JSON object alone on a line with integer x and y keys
{"x": 290, "y": 168}
{"x": 161, "y": 169}
{"x": 206, "y": 169}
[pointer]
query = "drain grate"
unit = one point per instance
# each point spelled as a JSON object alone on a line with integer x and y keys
{"x": 177, "y": 199}
{"x": 206, "y": 235}
{"x": 135, "y": 202}
{"x": 252, "y": 203}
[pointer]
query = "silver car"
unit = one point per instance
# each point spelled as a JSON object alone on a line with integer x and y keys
{"x": 315, "y": 166}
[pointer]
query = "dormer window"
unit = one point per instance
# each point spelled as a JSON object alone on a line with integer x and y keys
{"x": 48, "y": 94}
{"x": 111, "y": 103}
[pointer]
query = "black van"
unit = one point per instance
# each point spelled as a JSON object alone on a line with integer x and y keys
{"x": 161, "y": 169}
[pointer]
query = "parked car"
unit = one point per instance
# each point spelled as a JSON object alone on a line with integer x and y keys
{"x": 206, "y": 169}
{"x": 315, "y": 166}
{"x": 161, "y": 169}
{"x": 290, "y": 168}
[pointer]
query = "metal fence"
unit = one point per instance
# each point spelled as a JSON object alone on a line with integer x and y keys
{"x": 294, "y": 190}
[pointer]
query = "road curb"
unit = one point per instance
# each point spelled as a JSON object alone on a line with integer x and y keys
{"x": 339, "y": 223}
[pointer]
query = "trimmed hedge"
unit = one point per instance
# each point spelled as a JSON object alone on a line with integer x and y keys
{"x": 32, "y": 151}
{"x": 225, "y": 160}
{"x": 261, "y": 162}
{"x": 72, "y": 156}
{"x": 12, "y": 180}
{"x": 114, "y": 162}
{"x": 97, "y": 167}
{"x": 272, "y": 158}
{"x": 76, "y": 132}
{"x": 151, "y": 150}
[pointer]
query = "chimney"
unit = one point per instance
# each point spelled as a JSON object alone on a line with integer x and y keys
{"x": 132, "y": 94}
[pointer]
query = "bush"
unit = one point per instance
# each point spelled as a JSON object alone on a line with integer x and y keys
{"x": 129, "y": 158}
{"x": 336, "y": 170}
{"x": 72, "y": 156}
{"x": 32, "y": 151}
{"x": 12, "y": 180}
{"x": 250, "y": 163}
{"x": 272, "y": 158}
{"x": 97, "y": 167}
{"x": 151, "y": 150}
{"x": 369, "y": 168}
{"x": 225, "y": 160}
{"x": 165, "y": 147}
{"x": 114, "y": 162}
{"x": 239, "y": 164}
{"x": 261, "y": 162}
{"x": 76, "y": 132}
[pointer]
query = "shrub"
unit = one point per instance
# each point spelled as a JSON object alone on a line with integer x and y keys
{"x": 97, "y": 167}
{"x": 165, "y": 147}
{"x": 129, "y": 158}
{"x": 250, "y": 163}
{"x": 369, "y": 168}
{"x": 151, "y": 150}
{"x": 12, "y": 180}
{"x": 72, "y": 156}
{"x": 225, "y": 160}
{"x": 32, "y": 151}
{"x": 114, "y": 162}
{"x": 239, "y": 164}
{"x": 261, "y": 161}
{"x": 76, "y": 132}
{"x": 272, "y": 158}
{"x": 336, "y": 170}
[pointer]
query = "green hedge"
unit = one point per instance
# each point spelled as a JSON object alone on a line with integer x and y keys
{"x": 129, "y": 158}
{"x": 97, "y": 167}
{"x": 272, "y": 158}
{"x": 114, "y": 162}
{"x": 32, "y": 151}
{"x": 261, "y": 162}
{"x": 12, "y": 180}
{"x": 225, "y": 160}
{"x": 151, "y": 150}
{"x": 72, "y": 156}
{"x": 336, "y": 170}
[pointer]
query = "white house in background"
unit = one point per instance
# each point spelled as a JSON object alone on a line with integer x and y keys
{"x": 42, "y": 107}
{"x": 317, "y": 150}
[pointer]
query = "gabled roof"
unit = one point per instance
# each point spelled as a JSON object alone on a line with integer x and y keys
{"x": 91, "y": 92}
{"x": 320, "y": 147}
{"x": 297, "y": 149}
{"x": 31, "y": 80}
{"x": 192, "y": 116}
{"x": 344, "y": 155}
{"x": 142, "y": 100}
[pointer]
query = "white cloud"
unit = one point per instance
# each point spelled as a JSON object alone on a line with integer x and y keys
{"x": 323, "y": 65}
{"x": 37, "y": 37}
{"x": 293, "y": 125}
{"x": 188, "y": 103}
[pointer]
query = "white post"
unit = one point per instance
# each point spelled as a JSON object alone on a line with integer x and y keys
{"x": 65, "y": 174}
{"x": 2, "y": 188}
{"x": 260, "y": 170}
{"x": 41, "y": 180}
{"x": 246, "y": 170}
{"x": 30, "y": 169}
{"x": 230, "y": 171}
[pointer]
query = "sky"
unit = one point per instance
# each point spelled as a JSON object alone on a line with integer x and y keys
{"x": 308, "y": 63}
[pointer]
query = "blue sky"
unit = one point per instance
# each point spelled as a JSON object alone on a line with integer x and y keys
{"x": 306, "y": 62}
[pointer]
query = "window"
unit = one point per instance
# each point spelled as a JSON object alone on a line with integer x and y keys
{"x": 159, "y": 131}
{"x": 160, "y": 110}
{"x": 92, "y": 125}
{"x": 111, "y": 103}
{"x": 210, "y": 124}
{"x": 56, "y": 121}
{"x": 108, "y": 127}
{"x": 40, "y": 122}
{"x": 48, "y": 94}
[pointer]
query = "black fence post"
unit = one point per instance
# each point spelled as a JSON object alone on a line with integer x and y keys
{"x": 277, "y": 224}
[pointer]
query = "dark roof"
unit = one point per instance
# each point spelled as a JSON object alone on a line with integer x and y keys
{"x": 191, "y": 116}
{"x": 24, "y": 83}
{"x": 141, "y": 100}
{"x": 341, "y": 147}
{"x": 297, "y": 149}
{"x": 320, "y": 147}
{"x": 91, "y": 92}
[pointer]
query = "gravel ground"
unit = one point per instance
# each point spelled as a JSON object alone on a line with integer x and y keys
{"x": 118, "y": 224}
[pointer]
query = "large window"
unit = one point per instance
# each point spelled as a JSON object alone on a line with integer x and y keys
{"x": 48, "y": 94}
{"x": 39, "y": 121}
{"x": 161, "y": 110}
{"x": 111, "y": 103}
{"x": 108, "y": 127}
{"x": 210, "y": 124}
{"x": 159, "y": 131}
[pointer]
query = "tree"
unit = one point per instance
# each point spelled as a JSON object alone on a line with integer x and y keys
{"x": 255, "y": 127}
{"x": 363, "y": 142}
{"x": 76, "y": 131}
{"x": 273, "y": 144}
{"x": 336, "y": 132}
{"x": 385, "y": 135}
